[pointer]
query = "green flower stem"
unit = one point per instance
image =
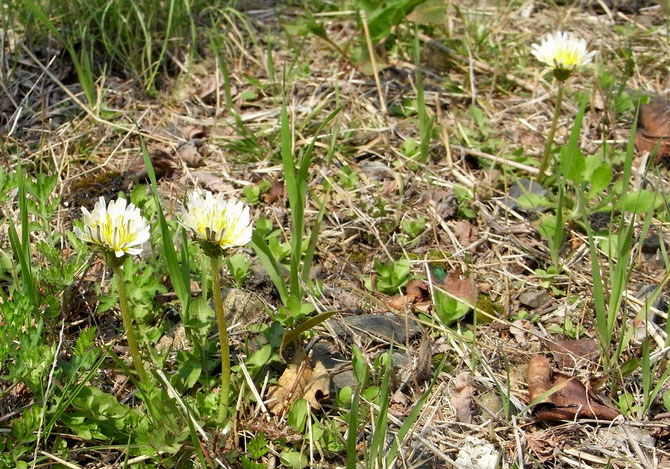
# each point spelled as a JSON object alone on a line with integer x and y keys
{"x": 550, "y": 138}
{"x": 128, "y": 324}
{"x": 223, "y": 338}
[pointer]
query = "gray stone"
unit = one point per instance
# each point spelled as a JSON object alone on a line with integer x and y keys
{"x": 524, "y": 187}
{"x": 381, "y": 327}
{"x": 534, "y": 298}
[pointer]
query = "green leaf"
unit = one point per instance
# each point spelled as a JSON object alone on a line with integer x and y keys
{"x": 293, "y": 459}
{"x": 383, "y": 15}
{"x": 359, "y": 365}
{"x": 600, "y": 179}
{"x": 297, "y": 415}
{"x": 572, "y": 164}
{"x": 641, "y": 201}
{"x": 260, "y": 357}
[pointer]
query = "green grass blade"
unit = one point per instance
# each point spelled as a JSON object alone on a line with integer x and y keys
{"x": 26, "y": 274}
{"x": 313, "y": 238}
{"x": 352, "y": 454}
{"x": 180, "y": 279}
{"x": 21, "y": 247}
{"x": 379, "y": 436}
{"x": 295, "y": 202}
{"x": 604, "y": 338}
{"x": 304, "y": 326}
{"x": 270, "y": 263}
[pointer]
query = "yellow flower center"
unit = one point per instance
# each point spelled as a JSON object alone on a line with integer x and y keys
{"x": 116, "y": 232}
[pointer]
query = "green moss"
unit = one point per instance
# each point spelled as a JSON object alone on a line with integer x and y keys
{"x": 487, "y": 305}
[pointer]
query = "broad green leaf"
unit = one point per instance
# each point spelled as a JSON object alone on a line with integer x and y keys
{"x": 572, "y": 164}
{"x": 600, "y": 179}
{"x": 642, "y": 201}
{"x": 383, "y": 15}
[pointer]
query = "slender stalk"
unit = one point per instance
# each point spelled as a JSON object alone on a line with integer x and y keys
{"x": 550, "y": 138}
{"x": 128, "y": 324}
{"x": 223, "y": 338}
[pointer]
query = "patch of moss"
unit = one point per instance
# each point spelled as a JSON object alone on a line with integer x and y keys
{"x": 487, "y": 305}
{"x": 85, "y": 191}
{"x": 358, "y": 257}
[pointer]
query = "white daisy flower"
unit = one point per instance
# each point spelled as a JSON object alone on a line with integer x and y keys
{"x": 214, "y": 220}
{"x": 115, "y": 227}
{"x": 562, "y": 51}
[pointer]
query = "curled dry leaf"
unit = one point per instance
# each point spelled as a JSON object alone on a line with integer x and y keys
{"x": 461, "y": 398}
{"x": 569, "y": 353}
{"x": 654, "y": 128}
{"x": 417, "y": 291}
{"x": 212, "y": 182}
{"x": 570, "y": 398}
{"x": 162, "y": 162}
{"x": 519, "y": 329}
{"x": 424, "y": 364}
{"x": 189, "y": 153}
{"x": 299, "y": 381}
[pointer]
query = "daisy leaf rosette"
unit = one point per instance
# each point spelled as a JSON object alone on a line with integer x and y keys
{"x": 116, "y": 227}
{"x": 217, "y": 223}
{"x": 563, "y": 52}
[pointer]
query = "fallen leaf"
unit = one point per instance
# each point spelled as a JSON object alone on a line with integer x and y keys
{"x": 569, "y": 399}
{"x": 299, "y": 381}
{"x": 192, "y": 132}
{"x": 519, "y": 328}
{"x": 539, "y": 376}
{"x": 162, "y": 162}
{"x": 424, "y": 363}
{"x": 654, "y": 128}
{"x": 543, "y": 444}
{"x": 463, "y": 288}
{"x": 417, "y": 291}
{"x": 277, "y": 191}
{"x": 189, "y": 153}
{"x": 568, "y": 353}
{"x": 466, "y": 232}
{"x": 209, "y": 181}
{"x": 461, "y": 398}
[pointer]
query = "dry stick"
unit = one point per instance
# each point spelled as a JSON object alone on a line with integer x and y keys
{"x": 382, "y": 101}
{"x": 496, "y": 159}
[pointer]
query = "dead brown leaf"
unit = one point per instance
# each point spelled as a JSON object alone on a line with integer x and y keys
{"x": 654, "y": 128}
{"x": 277, "y": 191}
{"x": 212, "y": 182}
{"x": 463, "y": 288}
{"x": 424, "y": 363}
{"x": 466, "y": 232}
{"x": 162, "y": 162}
{"x": 299, "y": 381}
{"x": 543, "y": 444}
{"x": 417, "y": 291}
{"x": 461, "y": 398}
{"x": 519, "y": 329}
{"x": 189, "y": 153}
{"x": 568, "y": 353}
{"x": 569, "y": 399}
